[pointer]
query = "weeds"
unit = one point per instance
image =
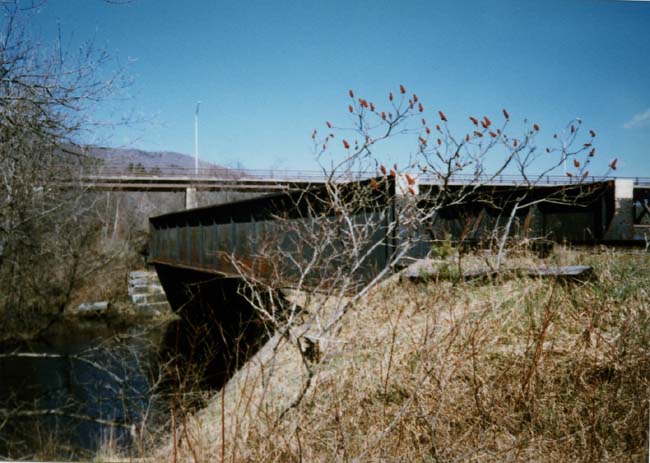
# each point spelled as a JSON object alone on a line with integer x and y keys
{"x": 515, "y": 370}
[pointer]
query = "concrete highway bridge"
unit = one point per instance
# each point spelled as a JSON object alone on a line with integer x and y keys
{"x": 269, "y": 180}
{"x": 264, "y": 181}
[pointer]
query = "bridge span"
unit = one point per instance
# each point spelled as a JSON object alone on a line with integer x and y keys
{"x": 272, "y": 180}
{"x": 194, "y": 251}
{"x": 208, "y": 239}
{"x": 254, "y": 182}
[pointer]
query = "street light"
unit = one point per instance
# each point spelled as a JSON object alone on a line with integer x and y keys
{"x": 196, "y": 140}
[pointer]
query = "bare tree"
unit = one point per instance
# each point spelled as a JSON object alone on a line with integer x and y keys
{"x": 322, "y": 249}
{"x": 45, "y": 96}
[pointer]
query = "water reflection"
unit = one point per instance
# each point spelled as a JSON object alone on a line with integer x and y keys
{"x": 88, "y": 381}
{"x": 81, "y": 383}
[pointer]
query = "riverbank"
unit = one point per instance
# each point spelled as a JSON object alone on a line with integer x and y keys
{"x": 117, "y": 295}
{"x": 506, "y": 369}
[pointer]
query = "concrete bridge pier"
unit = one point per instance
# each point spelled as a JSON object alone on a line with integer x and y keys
{"x": 191, "y": 200}
{"x": 621, "y": 227}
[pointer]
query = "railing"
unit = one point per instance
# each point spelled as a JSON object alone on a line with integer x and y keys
{"x": 209, "y": 173}
{"x": 123, "y": 172}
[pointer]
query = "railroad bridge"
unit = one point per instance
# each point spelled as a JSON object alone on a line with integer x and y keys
{"x": 194, "y": 250}
{"x": 206, "y": 240}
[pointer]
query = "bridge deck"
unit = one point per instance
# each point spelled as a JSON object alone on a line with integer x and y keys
{"x": 178, "y": 178}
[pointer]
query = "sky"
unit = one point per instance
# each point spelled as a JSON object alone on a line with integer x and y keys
{"x": 268, "y": 72}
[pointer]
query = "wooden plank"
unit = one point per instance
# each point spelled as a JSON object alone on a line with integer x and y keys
{"x": 425, "y": 270}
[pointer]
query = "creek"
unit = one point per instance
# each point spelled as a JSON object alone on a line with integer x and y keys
{"x": 88, "y": 383}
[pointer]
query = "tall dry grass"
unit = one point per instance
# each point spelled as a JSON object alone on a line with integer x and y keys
{"x": 516, "y": 369}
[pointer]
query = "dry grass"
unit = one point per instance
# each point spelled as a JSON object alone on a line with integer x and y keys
{"x": 105, "y": 275}
{"x": 514, "y": 370}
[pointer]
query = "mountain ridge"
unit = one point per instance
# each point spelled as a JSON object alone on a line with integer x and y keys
{"x": 146, "y": 159}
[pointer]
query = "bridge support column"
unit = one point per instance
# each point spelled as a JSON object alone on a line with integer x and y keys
{"x": 621, "y": 228}
{"x": 190, "y": 198}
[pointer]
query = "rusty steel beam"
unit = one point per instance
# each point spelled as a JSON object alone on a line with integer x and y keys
{"x": 209, "y": 239}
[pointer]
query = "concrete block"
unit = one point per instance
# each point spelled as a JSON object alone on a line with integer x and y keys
{"x": 139, "y": 289}
{"x": 622, "y": 225}
{"x": 624, "y": 188}
{"x": 153, "y": 309}
{"x": 191, "y": 200}
{"x": 140, "y": 274}
{"x": 147, "y": 294}
{"x": 100, "y": 306}
{"x": 153, "y": 298}
{"x": 139, "y": 298}
{"x": 156, "y": 289}
{"x": 143, "y": 276}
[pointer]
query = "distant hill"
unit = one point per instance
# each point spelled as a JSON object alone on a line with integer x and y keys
{"x": 147, "y": 159}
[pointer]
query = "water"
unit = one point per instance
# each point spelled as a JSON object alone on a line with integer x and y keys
{"x": 84, "y": 383}
{"x": 80, "y": 385}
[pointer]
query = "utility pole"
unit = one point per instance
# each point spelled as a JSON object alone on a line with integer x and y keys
{"x": 196, "y": 140}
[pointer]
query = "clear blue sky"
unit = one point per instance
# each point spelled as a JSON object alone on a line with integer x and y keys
{"x": 267, "y": 73}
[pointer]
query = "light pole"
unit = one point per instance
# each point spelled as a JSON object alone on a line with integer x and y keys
{"x": 196, "y": 140}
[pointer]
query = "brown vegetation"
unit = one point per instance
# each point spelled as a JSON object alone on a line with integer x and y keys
{"x": 362, "y": 367}
{"x": 514, "y": 370}
{"x": 47, "y": 228}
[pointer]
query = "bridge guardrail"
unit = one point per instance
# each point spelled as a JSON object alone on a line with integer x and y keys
{"x": 125, "y": 172}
